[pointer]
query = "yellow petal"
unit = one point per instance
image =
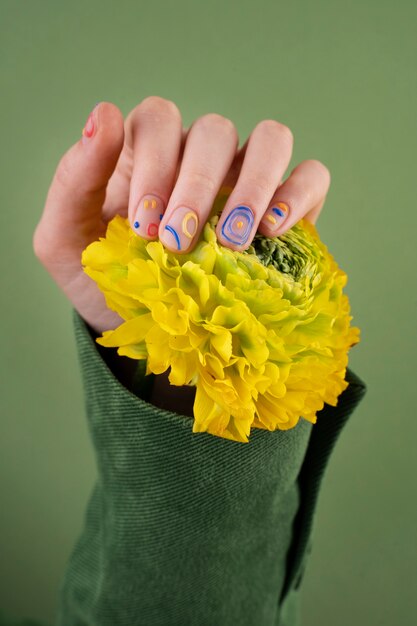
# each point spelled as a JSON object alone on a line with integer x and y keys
{"x": 131, "y": 332}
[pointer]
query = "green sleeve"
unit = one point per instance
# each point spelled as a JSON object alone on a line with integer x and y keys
{"x": 186, "y": 528}
{"x": 181, "y": 528}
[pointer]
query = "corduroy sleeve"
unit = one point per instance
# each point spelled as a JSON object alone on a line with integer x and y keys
{"x": 181, "y": 528}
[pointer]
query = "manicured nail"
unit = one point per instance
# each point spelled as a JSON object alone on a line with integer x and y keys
{"x": 238, "y": 225}
{"x": 276, "y": 215}
{"x": 180, "y": 229}
{"x": 90, "y": 126}
{"x": 149, "y": 213}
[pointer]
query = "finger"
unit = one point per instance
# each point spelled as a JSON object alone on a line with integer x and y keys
{"x": 313, "y": 215}
{"x": 267, "y": 156}
{"x": 236, "y": 166}
{"x": 156, "y": 134}
{"x": 209, "y": 151}
{"x": 185, "y": 133}
{"x": 302, "y": 194}
{"x": 119, "y": 186}
{"x": 72, "y": 214}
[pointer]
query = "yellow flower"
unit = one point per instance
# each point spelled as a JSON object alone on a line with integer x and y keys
{"x": 263, "y": 334}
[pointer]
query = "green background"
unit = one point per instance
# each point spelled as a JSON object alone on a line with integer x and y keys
{"x": 342, "y": 76}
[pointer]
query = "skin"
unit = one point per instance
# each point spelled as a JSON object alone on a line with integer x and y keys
{"x": 150, "y": 153}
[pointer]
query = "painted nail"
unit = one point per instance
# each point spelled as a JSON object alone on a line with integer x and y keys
{"x": 90, "y": 126}
{"x": 180, "y": 229}
{"x": 276, "y": 215}
{"x": 148, "y": 214}
{"x": 238, "y": 225}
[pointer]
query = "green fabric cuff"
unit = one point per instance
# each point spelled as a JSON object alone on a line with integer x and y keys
{"x": 181, "y": 527}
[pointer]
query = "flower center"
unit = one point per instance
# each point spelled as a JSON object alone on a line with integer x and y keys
{"x": 288, "y": 253}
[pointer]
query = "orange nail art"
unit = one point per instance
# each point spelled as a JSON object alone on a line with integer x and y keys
{"x": 276, "y": 216}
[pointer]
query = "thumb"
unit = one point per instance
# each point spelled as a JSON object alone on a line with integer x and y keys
{"x": 71, "y": 218}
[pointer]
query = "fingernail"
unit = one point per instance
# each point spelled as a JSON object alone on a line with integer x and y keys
{"x": 276, "y": 215}
{"x": 238, "y": 225}
{"x": 90, "y": 126}
{"x": 148, "y": 214}
{"x": 180, "y": 230}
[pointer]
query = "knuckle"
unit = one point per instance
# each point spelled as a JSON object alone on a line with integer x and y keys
{"x": 36, "y": 247}
{"x": 38, "y": 244}
{"x": 260, "y": 181}
{"x": 322, "y": 169}
{"x": 159, "y": 167}
{"x": 158, "y": 106}
{"x": 200, "y": 179}
{"x": 273, "y": 126}
{"x": 215, "y": 119}
{"x": 157, "y": 164}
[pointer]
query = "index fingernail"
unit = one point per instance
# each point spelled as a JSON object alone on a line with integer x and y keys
{"x": 180, "y": 229}
{"x": 148, "y": 215}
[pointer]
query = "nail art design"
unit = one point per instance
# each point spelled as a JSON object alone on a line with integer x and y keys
{"x": 276, "y": 215}
{"x": 174, "y": 232}
{"x": 149, "y": 204}
{"x": 88, "y": 130}
{"x": 238, "y": 225}
{"x": 181, "y": 228}
{"x": 281, "y": 209}
{"x": 148, "y": 215}
{"x": 152, "y": 229}
{"x": 190, "y": 217}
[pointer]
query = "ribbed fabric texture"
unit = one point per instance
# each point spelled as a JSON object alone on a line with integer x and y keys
{"x": 186, "y": 528}
{"x": 330, "y": 422}
{"x": 181, "y": 528}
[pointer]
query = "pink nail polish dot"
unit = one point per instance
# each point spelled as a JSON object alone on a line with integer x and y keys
{"x": 152, "y": 229}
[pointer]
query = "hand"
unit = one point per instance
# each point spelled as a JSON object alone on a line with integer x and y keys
{"x": 165, "y": 179}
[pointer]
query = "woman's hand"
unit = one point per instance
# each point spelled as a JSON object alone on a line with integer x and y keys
{"x": 165, "y": 179}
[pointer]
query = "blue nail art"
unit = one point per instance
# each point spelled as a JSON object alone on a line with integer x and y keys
{"x": 238, "y": 225}
{"x": 161, "y": 216}
{"x": 174, "y": 232}
{"x": 282, "y": 211}
{"x": 136, "y": 224}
